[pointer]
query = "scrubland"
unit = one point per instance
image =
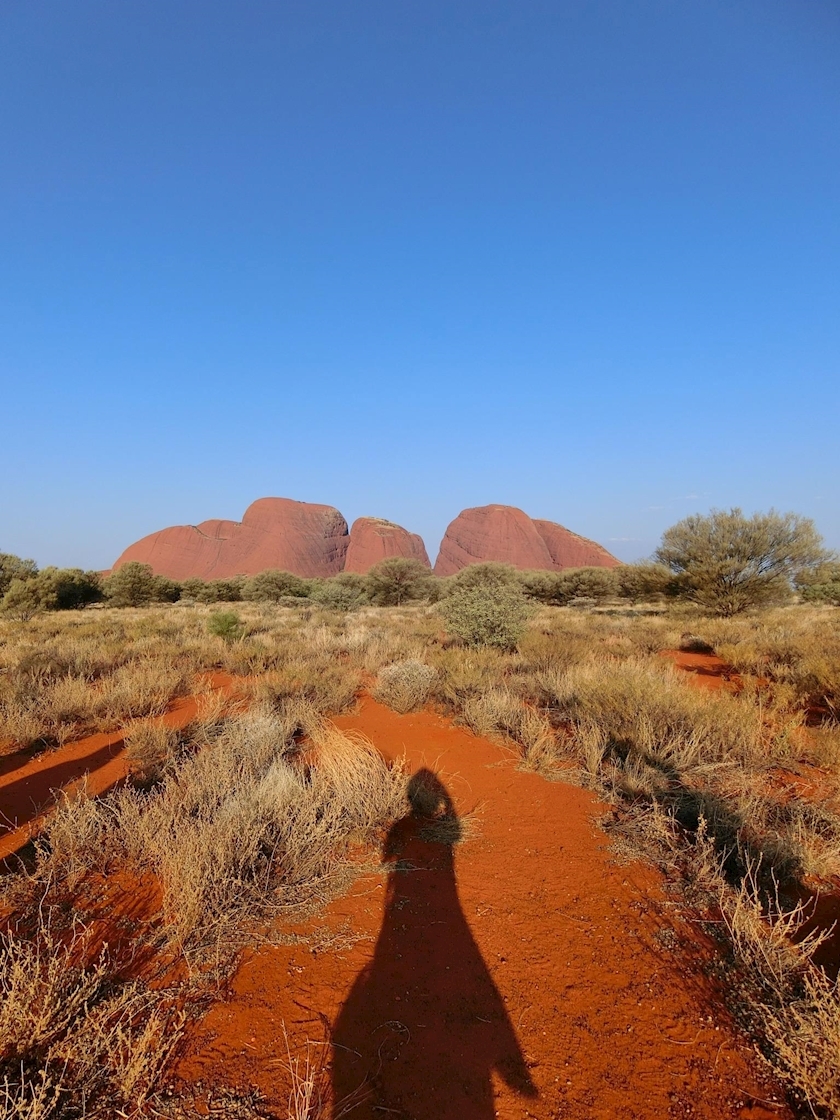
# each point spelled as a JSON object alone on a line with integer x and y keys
{"x": 259, "y": 809}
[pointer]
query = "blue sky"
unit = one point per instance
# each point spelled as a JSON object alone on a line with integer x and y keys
{"x": 405, "y": 257}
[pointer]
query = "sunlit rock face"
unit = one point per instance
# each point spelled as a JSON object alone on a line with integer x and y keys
{"x": 508, "y": 536}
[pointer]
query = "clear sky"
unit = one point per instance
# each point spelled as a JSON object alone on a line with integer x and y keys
{"x": 407, "y": 256}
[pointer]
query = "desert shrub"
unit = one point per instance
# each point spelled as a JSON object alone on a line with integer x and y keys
{"x": 24, "y": 598}
{"x": 344, "y": 592}
{"x": 499, "y": 713}
{"x": 486, "y": 606}
{"x": 397, "y": 580}
{"x": 644, "y": 708}
{"x": 821, "y": 584}
{"x": 226, "y": 625}
{"x": 465, "y": 673}
{"x": 405, "y": 685}
{"x": 14, "y": 567}
{"x": 74, "y": 1040}
{"x": 644, "y": 581}
{"x": 52, "y": 589}
{"x": 728, "y": 563}
{"x": 242, "y": 828}
{"x": 485, "y": 575}
{"x": 214, "y": 590}
{"x": 136, "y": 585}
{"x": 329, "y": 686}
{"x": 273, "y": 586}
{"x": 150, "y": 749}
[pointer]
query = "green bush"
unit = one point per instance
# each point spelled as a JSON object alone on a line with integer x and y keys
{"x": 728, "y": 563}
{"x": 821, "y": 585}
{"x": 560, "y": 588}
{"x": 273, "y": 585}
{"x": 486, "y": 606}
{"x": 644, "y": 581}
{"x": 136, "y": 585}
{"x": 13, "y": 567}
{"x": 214, "y": 590}
{"x": 397, "y": 580}
{"x": 23, "y": 599}
{"x": 344, "y": 592}
{"x": 53, "y": 589}
{"x": 226, "y": 625}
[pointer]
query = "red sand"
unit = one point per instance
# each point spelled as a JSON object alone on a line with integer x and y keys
{"x": 520, "y": 974}
{"x": 28, "y": 785}
{"x": 528, "y": 977}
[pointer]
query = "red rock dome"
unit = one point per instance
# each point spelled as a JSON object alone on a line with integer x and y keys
{"x": 507, "y": 535}
{"x": 373, "y": 539}
{"x": 299, "y": 537}
{"x": 569, "y": 550}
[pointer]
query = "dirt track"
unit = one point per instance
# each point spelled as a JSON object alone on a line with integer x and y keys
{"x": 529, "y": 976}
{"x": 522, "y": 973}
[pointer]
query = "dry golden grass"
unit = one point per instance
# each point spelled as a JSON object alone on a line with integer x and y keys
{"x": 74, "y": 1041}
{"x": 404, "y": 685}
{"x": 245, "y": 815}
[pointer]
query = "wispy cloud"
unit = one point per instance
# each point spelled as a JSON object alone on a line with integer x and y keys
{"x": 624, "y": 538}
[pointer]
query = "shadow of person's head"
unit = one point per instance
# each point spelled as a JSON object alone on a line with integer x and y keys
{"x": 432, "y": 806}
{"x": 431, "y": 816}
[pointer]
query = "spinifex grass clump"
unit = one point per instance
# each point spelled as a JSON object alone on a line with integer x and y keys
{"x": 242, "y": 828}
{"x": 404, "y": 685}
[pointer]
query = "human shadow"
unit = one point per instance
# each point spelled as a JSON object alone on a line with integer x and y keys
{"x": 424, "y": 1027}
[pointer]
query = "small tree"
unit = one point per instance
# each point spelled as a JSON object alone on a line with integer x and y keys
{"x": 821, "y": 585}
{"x": 13, "y": 567}
{"x": 396, "y": 580}
{"x": 728, "y": 562}
{"x": 638, "y": 582}
{"x": 345, "y": 592}
{"x": 132, "y": 585}
{"x": 69, "y": 589}
{"x": 25, "y": 598}
{"x": 273, "y": 585}
{"x": 486, "y": 606}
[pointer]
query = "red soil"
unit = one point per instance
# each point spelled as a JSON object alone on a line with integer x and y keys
{"x": 522, "y": 974}
{"x": 708, "y": 669}
{"x": 28, "y": 785}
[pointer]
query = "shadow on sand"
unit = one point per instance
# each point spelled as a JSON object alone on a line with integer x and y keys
{"x": 424, "y": 1027}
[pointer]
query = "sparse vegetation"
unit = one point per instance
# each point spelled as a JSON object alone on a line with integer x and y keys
{"x": 253, "y": 811}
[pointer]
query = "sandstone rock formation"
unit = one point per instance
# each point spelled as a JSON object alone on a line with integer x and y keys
{"x": 509, "y": 536}
{"x": 299, "y": 537}
{"x": 373, "y": 539}
{"x": 501, "y": 533}
{"x": 570, "y": 550}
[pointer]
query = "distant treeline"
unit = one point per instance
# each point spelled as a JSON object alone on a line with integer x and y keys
{"x": 25, "y": 591}
{"x": 725, "y": 562}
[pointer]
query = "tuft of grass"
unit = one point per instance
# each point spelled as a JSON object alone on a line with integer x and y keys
{"x": 404, "y": 686}
{"x": 74, "y": 1041}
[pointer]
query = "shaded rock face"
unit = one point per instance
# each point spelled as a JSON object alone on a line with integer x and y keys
{"x": 372, "y": 539}
{"x": 508, "y": 536}
{"x": 299, "y": 537}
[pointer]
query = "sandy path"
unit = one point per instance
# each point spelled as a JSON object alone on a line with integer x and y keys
{"x": 29, "y": 783}
{"x": 529, "y": 976}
